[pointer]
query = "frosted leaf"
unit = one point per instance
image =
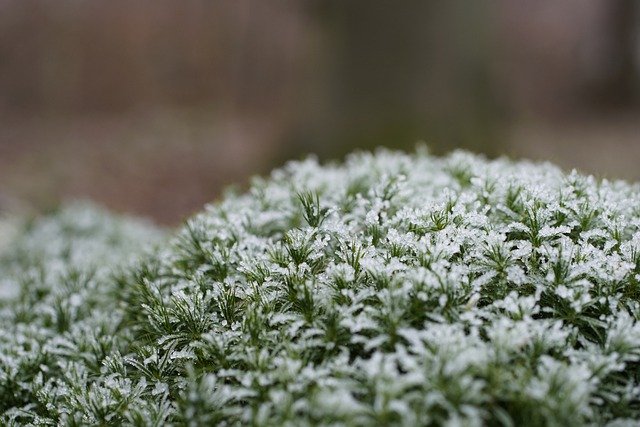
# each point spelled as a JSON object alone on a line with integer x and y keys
{"x": 434, "y": 291}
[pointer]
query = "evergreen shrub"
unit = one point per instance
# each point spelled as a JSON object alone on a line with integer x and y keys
{"x": 391, "y": 289}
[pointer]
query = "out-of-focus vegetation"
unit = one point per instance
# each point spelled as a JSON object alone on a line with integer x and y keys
{"x": 154, "y": 107}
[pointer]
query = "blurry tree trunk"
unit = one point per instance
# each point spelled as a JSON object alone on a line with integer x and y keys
{"x": 618, "y": 85}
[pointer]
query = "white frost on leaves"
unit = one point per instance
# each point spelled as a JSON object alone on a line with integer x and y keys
{"x": 392, "y": 289}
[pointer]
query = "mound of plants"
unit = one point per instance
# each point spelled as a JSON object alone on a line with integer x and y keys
{"x": 391, "y": 289}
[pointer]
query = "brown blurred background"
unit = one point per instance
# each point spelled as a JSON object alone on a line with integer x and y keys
{"x": 153, "y": 107}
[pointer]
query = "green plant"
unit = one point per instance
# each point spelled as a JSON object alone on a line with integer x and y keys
{"x": 391, "y": 289}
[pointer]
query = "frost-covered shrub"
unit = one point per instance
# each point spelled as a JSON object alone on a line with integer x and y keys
{"x": 61, "y": 320}
{"x": 391, "y": 289}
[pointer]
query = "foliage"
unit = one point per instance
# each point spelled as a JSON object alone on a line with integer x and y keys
{"x": 391, "y": 289}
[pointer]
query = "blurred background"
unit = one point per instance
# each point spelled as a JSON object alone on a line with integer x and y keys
{"x": 154, "y": 107}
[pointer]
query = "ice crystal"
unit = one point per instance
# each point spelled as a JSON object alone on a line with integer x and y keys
{"x": 391, "y": 289}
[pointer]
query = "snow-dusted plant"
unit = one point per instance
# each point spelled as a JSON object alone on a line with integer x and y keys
{"x": 392, "y": 289}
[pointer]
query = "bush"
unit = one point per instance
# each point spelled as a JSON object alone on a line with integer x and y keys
{"x": 392, "y": 289}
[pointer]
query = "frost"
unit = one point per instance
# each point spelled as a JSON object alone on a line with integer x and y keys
{"x": 391, "y": 289}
